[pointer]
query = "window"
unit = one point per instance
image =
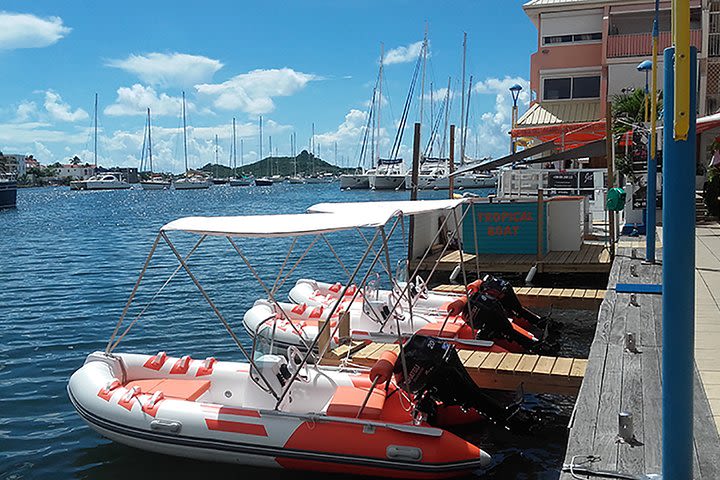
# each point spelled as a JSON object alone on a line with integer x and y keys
{"x": 556, "y": 88}
{"x": 586, "y": 87}
{"x": 571, "y": 87}
{"x": 572, "y": 38}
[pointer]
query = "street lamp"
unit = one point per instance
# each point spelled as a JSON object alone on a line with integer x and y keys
{"x": 645, "y": 66}
{"x": 515, "y": 92}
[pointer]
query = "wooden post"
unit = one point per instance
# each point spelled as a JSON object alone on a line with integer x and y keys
{"x": 414, "y": 188}
{"x": 451, "y": 164}
{"x": 344, "y": 328}
{"x": 540, "y": 224}
{"x": 323, "y": 337}
{"x": 610, "y": 172}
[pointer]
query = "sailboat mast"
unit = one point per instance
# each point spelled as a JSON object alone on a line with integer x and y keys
{"x": 234, "y": 149}
{"x": 379, "y": 104}
{"x": 184, "y": 121}
{"x": 270, "y": 156}
{"x": 217, "y": 164}
{"x": 260, "y": 138}
{"x": 96, "y": 131}
{"x": 150, "y": 142}
{"x": 242, "y": 152}
{"x": 447, "y": 118}
{"x": 467, "y": 114}
{"x": 462, "y": 106}
{"x": 422, "y": 81}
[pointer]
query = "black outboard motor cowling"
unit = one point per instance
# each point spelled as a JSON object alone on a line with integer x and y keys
{"x": 504, "y": 292}
{"x": 437, "y": 376}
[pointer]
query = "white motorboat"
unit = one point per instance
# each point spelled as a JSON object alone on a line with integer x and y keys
{"x": 156, "y": 182}
{"x": 356, "y": 181}
{"x": 244, "y": 181}
{"x": 264, "y": 182}
{"x": 271, "y": 411}
{"x": 106, "y": 181}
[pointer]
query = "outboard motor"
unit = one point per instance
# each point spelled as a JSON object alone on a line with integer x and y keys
{"x": 435, "y": 375}
{"x": 504, "y": 292}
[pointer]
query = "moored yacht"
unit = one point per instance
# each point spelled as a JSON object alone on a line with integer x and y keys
{"x": 388, "y": 176}
{"x": 156, "y": 181}
{"x": 105, "y": 181}
{"x": 191, "y": 180}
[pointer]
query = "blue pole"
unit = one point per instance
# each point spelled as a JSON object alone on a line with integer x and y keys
{"x": 678, "y": 290}
{"x": 651, "y": 203}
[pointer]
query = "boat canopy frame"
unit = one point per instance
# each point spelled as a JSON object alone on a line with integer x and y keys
{"x": 324, "y": 218}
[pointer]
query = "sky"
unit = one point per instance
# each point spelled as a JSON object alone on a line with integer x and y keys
{"x": 293, "y": 63}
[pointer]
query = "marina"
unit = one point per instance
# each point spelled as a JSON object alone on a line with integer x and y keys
{"x": 435, "y": 254}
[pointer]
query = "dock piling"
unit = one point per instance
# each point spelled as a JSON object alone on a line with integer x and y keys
{"x": 678, "y": 290}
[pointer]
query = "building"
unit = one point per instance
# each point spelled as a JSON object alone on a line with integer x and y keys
{"x": 74, "y": 172}
{"x": 588, "y": 51}
{"x": 16, "y": 162}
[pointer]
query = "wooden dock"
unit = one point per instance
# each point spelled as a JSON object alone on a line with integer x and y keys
{"x": 497, "y": 371}
{"x": 618, "y": 380}
{"x": 562, "y": 298}
{"x": 591, "y": 258}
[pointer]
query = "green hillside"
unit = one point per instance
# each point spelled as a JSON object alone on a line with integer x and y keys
{"x": 307, "y": 164}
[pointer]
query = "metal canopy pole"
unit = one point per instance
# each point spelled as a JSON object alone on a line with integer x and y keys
{"x": 678, "y": 290}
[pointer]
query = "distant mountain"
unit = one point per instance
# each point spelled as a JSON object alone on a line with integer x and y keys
{"x": 307, "y": 164}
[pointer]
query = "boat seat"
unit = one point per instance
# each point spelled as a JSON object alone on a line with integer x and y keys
{"x": 178, "y": 388}
{"x": 346, "y": 402}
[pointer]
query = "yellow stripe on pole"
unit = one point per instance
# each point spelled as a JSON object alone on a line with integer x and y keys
{"x": 681, "y": 41}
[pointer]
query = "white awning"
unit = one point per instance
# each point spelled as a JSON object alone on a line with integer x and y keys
{"x": 387, "y": 209}
{"x": 265, "y": 226}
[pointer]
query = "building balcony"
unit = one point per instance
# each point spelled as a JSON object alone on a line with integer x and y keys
{"x": 640, "y": 44}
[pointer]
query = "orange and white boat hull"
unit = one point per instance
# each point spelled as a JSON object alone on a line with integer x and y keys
{"x": 215, "y": 411}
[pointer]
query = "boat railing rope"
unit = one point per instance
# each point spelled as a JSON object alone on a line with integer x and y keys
{"x": 297, "y": 262}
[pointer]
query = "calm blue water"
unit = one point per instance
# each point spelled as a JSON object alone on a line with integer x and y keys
{"x": 69, "y": 261}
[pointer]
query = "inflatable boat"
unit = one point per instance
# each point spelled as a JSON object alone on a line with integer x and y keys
{"x": 491, "y": 312}
{"x": 283, "y": 325}
{"x": 347, "y": 422}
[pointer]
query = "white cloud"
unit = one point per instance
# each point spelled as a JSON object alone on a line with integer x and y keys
{"x": 169, "y": 69}
{"x": 23, "y": 30}
{"x": 253, "y": 92}
{"x": 60, "y": 110}
{"x": 489, "y": 135}
{"x": 136, "y": 99}
{"x": 403, "y": 54}
{"x": 25, "y": 111}
{"x": 42, "y": 154}
{"x": 29, "y": 132}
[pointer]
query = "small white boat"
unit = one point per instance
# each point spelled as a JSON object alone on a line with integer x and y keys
{"x": 296, "y": 180}
{"x": 356, "y": 181}
{"x": 106, "y": 181}
{"x": 155, "y": 183}
{"x": 192, "y": 182}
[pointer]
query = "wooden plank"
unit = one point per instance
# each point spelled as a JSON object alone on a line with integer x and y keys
{"x": 509, "y": 363}
{"x": 527, "y": 364}
{"x": 534, "y": 292}
{"x": 567, "y": 292}
{"x": 492, "y": 361}
{"x": 604, "y": 444}
{"x": 544, "y": 365}
{"x": 631, "y": 457}
{"x": 545, "y": 292}
{"x": 562, "y": 366}
{"x": 555, "y": 292}
{"x": 589, "y": 293}
{"x": 476, "y": 360}
{"x": 578, "y": 368}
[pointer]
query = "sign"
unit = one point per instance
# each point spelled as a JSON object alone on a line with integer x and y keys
{"x": 564, "y": 183}
{"x": 502, "y": 228}
{"x": 639, "y": 198}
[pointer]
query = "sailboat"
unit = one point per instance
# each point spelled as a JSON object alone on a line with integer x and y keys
{"x": 264, "y": 181}
{"x": 217, "y": 179}
{"x": 104, "y": 181}
{"x": 156, "y": 182}
{"x": 191, "y": 181}
{"x": 242, "y": 180}
{"x": 390, "y": 173}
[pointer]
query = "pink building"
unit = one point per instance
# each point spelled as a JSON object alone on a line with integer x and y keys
{"x": 588, "y": 51}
